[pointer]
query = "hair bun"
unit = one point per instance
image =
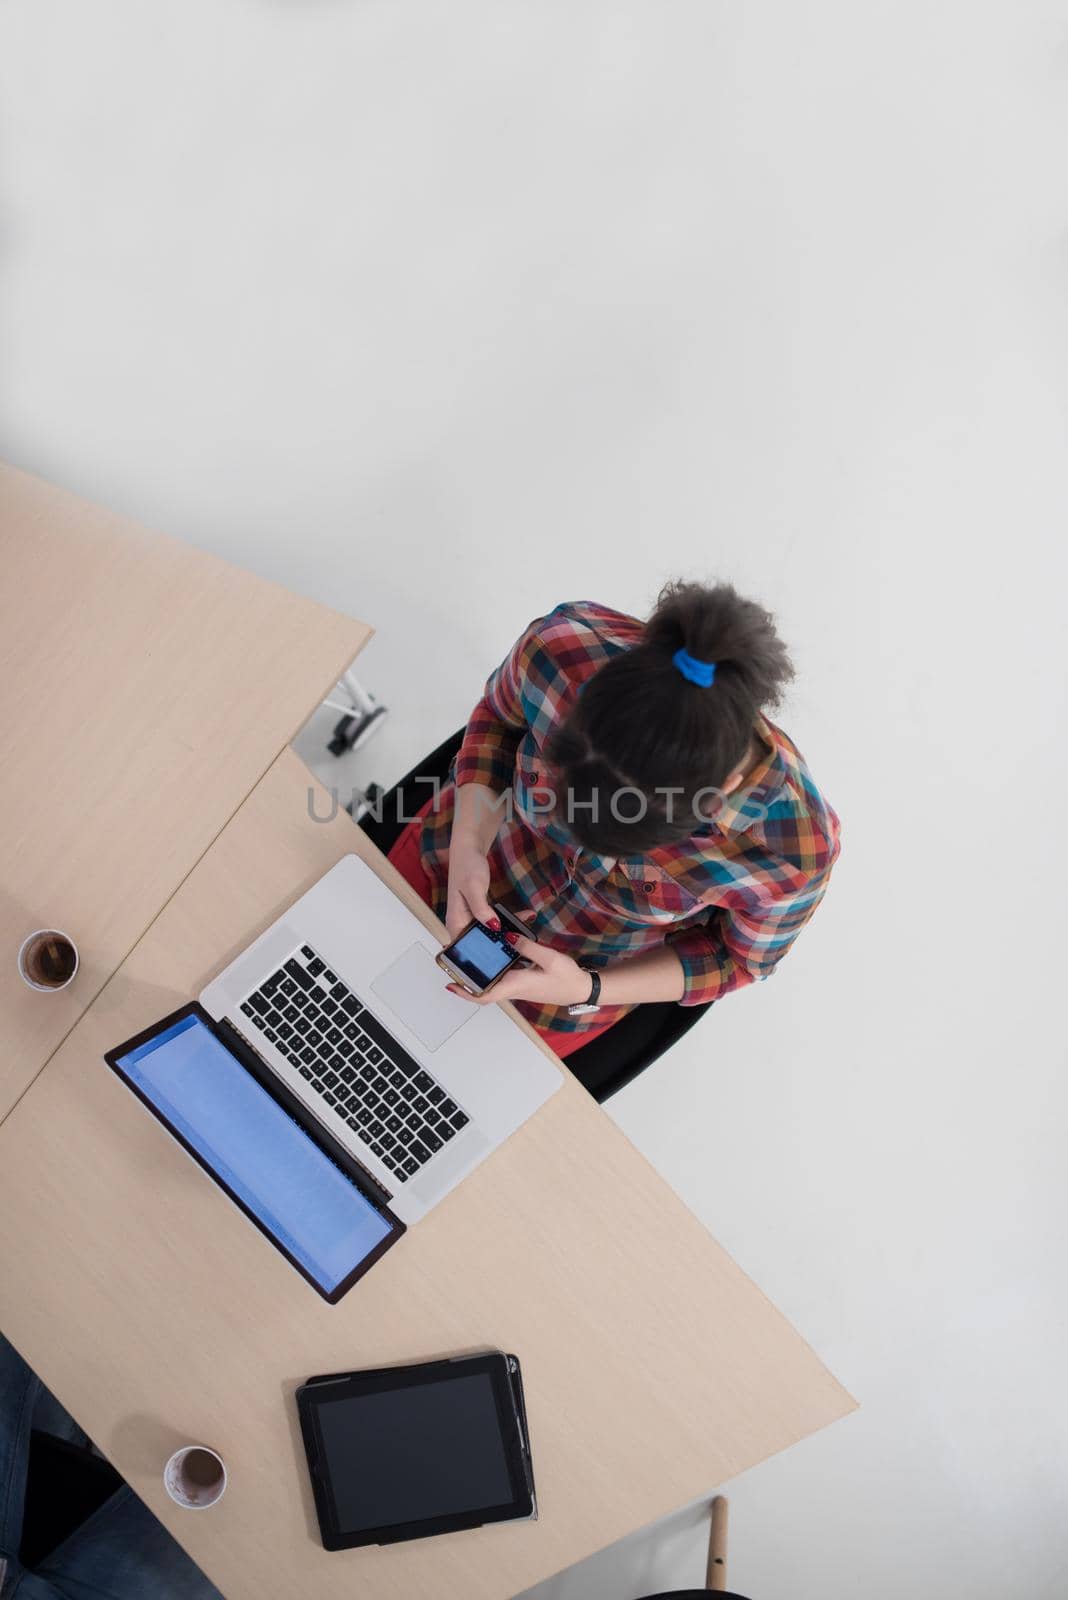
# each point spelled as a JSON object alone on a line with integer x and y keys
{"x": 716, "y": 624}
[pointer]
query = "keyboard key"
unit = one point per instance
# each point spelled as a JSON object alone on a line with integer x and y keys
{"x": 330, "y": 1080}
{"x": 351, "y": 1006}
{"x": 288, "y": 986}
{"x": 397, "y": 1078}
{"x": 307, "y": 1056}
{"x": 351, "y": 1120}
{"x": 315, "y": 1038}
{"x": 271, "y": 987}
{"x": 423, "y": 1082}
{"x": 273, "y": 1018}
{"x": 420, "y": 1103}
{"x": 352, "y": 1031}
{"x": 363, "y": 1117}
{"x": 329, "y": 1099}
{"x": 446, "y": 1132}
{"x": 406, "y": 1135}
{"x": 419, "y": 1151}
{"x": 298, "y": 974}
{"x": 431, "y": 1140}
{"x": 458, "y": 1121}
{"x": 305, "y": 1072}
{"x": 376, "y": 1129}
{"x": 348, "y": 1075}
{"x": 410, "y": 1168}
{"x": 377, "y": 1150}
{"x": 247, "y": 1009}
{"x": 376, "y": 1056}
{"x": 413, "y": 1120}
{"x": 258, "y": 1004}
{"x": 334, "y": 1036}
{"x": 270, "y": 1035}
{"x": 292, "y": 1013}
{"x": 345, "y": 1047}
{"x": 339, "y": 992}
{"x": 285, "y": 1031}
{"x": 387, "y": 1140}
{"x": 329, "y": 977}
{"x": 307, "y": 952}
{"x": 435, "y": 1095}
{"x": 391, "y": 1097}
{"x": 449, "y": 1108}
{"x": 394, "y": 1123}
{"x": 315, "y": 966}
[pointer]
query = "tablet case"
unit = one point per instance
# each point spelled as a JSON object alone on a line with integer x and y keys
{"x": 514, "y": 1376}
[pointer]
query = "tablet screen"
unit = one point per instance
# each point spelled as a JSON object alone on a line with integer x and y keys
{"x": 415, "y": 1453}
{"x": 258, "y": 1153}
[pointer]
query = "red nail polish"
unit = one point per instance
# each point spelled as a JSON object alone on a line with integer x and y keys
{"x": 511, "y": 938}
{"x": 495, "y": 924}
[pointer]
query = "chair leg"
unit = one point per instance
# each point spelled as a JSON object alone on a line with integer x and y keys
{"x": 717, "y": 1545}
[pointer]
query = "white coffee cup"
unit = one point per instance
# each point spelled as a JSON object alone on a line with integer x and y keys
{"x": 44, "y": 957}
{"x": 195, "y": 1477}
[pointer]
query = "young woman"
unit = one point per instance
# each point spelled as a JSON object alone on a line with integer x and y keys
{"x": 621, "y": 790}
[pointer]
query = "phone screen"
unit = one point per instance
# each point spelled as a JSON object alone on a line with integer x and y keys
{"x": 481, "y": 955}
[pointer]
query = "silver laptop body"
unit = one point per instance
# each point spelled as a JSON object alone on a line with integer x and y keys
{"x": 343, "y": 1000}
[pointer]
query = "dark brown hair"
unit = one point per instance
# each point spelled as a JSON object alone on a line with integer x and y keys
{"x": 640, "y": 725}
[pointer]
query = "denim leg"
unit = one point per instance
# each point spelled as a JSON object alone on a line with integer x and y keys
{"x": 121, "y": 1553}
{"x": 19, "y": 1388}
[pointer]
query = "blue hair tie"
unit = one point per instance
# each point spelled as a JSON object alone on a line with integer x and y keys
{"x": 699, "y": 672}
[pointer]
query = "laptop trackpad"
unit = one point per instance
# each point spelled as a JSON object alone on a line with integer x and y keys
{"x": 414, "y": 988}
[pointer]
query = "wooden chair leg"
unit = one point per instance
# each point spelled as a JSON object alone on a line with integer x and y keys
{"x": 717, "y": 1545}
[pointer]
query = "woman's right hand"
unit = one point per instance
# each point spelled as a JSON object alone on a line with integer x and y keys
{"x": 469, "y": 883}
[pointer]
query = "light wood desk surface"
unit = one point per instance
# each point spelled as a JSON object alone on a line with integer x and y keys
{"x": 654, "y": 1368}
{"x": 145, "y": 688}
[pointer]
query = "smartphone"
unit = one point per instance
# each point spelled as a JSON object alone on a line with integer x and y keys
{"x": 480, "y": 956}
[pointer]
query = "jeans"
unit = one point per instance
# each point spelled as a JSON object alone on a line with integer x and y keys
{"x": 120, "y": 1553}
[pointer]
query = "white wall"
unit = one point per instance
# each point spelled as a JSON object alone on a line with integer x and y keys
{"x": 443, "y": 313}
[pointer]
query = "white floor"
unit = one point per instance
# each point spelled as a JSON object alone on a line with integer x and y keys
{"x": 444, "y": 313}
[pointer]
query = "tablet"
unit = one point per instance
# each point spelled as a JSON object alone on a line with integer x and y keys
{"x": 261, "y": 1146}
{"x": 405, "y": 1452}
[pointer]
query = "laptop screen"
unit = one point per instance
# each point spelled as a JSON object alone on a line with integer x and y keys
{"x": 256, "y": 1150}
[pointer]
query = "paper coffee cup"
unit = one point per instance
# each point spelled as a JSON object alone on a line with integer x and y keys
{"x": 195, "y": 1477}
{"x": 48, "y": 960}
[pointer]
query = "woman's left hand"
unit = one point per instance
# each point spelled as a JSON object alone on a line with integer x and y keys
{"x": 552, "y": 979}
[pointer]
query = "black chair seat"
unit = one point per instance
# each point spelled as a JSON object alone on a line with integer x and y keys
{"x": 695, "y": 1594}
{"x": 65, "y": 1484}
{"x": 614, "y": 1059}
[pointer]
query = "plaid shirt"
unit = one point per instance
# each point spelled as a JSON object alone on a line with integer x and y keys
{"x": 730, "y": 899}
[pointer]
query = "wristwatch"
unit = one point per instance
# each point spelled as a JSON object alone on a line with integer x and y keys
{"x": 585, "y": 1008}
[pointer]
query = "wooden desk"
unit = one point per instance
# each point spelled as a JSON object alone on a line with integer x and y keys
{"x": 145, "y": 688}
{"x": 654, "y": 1368}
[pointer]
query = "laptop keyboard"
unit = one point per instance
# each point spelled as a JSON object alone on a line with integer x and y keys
{"x": 358, "y": 1068}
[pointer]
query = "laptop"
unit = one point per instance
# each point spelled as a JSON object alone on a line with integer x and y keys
{"x": 342, "y": 1000}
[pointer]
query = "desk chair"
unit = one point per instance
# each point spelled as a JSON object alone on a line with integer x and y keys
{"x": 608, "y": 1063}
{"x": 65, "y": 1484}
{"x": 716, "y": 1582}
{"x": 362, "y": 714}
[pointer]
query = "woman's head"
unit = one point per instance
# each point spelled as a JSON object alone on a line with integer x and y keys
{"x": 643, "y": 748}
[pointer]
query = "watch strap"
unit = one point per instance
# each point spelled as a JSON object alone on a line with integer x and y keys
{"x": 594, "y": 1002}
